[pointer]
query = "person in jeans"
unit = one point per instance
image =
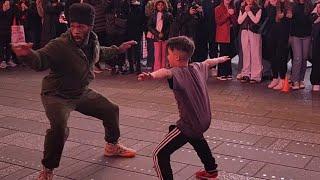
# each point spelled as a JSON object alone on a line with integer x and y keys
{"x": 71, "y": 59}
{"x": 301, "y": 27}
{"x": 188, "y": 82}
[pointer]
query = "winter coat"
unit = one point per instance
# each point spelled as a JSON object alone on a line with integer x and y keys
{"x": 71, "y": 70}
{"x": 152, "y": 23}
{"x": 136, "y": 21}
{"x": 50, "y": 20}
{"x": 224, "y": 22}
{"x": 6, "y": 18}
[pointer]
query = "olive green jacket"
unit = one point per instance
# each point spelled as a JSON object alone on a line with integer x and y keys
{"x": 70, "y": 70}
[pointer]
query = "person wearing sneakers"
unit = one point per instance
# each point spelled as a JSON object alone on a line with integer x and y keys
{"x": 300, "y": 31}
{"x": 249, "y": 19}
{"x": 6, "y": 19}
{"x": 188, "y": 82}
{"x": 71, "y": 59}
{"x": 279, "y": 13}
{"x": 226, "y": 19}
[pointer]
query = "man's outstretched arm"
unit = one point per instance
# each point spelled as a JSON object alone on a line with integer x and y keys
{"x": 38, "y": 60}
{"x": 107, "y": 53}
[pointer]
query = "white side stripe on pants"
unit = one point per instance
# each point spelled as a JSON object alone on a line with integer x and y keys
{"x": 174, "y": 133}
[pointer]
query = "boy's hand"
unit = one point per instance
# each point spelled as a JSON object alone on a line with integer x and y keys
{"x": 215, "y": 61}
{"x": 126, "y": 45}
{"x": 22, "y": 49}
{"x": 144, "y": 76}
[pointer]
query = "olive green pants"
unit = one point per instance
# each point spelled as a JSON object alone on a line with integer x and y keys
{"x": 58, "y": 111}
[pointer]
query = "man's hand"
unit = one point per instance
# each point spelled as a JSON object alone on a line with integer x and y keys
{"x": 126, "y": 45}
{"x": 161, "y": 35}
{"x": 144, "y": 76}
{"x": 247, "y": 8}
{"x": 6, "y": 6}
{"x": 199, "y": 9}
{"x": 192, "y": 11}
{"x": 24, "y": 6}
{"x": 281, "y": 15}
{"x": 231, "y": 11}
{"x": 289, "y": 14}
{"x": 222, "y": 59}
{"x": 22, "y": 49}
{"x": 266, "y": 3}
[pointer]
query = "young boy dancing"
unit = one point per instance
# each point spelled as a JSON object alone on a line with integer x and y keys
{"x": 188, "y": 82}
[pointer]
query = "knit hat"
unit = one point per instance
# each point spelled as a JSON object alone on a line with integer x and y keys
{"x": 82, "y": 13}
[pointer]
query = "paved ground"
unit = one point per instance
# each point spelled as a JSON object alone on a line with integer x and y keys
{"x": 256, "y": 133}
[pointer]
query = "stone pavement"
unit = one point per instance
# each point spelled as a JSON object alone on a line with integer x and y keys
{"x": 256, "y": 133}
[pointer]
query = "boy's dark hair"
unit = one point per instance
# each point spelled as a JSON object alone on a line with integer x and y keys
{"x": 182, "y": 43}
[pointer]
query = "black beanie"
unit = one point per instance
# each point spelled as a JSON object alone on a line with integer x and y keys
{"x": 82, "y": 13}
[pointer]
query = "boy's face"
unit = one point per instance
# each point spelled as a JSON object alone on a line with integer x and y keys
{"x": 173, "y": 57}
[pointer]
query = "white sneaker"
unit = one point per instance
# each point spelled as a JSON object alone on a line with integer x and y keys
{"x": 296, "y": 86}
{"x": 316, "y": 88}
{"x": 280, "y": 85}
{"x": 302, "y": 85}
{"x": 3, "y": 65}
{"x": 273, "y": 83}
{"x": 11, "y": 64}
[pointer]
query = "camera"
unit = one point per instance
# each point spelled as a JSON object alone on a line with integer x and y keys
{"x": 194, "y": 5}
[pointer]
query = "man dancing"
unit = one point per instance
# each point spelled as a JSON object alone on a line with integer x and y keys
{"x": 71, "y": 59}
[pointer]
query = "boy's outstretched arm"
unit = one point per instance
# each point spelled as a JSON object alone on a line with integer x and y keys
{"x": 215, "y": 61}
{"x": 159, "y": 74}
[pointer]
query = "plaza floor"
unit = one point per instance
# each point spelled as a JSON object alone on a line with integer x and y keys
{"x": 256, "y": 133}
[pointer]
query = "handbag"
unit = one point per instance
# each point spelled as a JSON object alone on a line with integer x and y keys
{"x": 17, "y": 33}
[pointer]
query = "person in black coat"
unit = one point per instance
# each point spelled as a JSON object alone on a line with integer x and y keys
{"x": 136, "y": 20}
{"x": 6, "y": 18}
{"x": 315, "y": 72}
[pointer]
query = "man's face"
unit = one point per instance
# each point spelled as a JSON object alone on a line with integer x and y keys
{"x": 79, "y": 32}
